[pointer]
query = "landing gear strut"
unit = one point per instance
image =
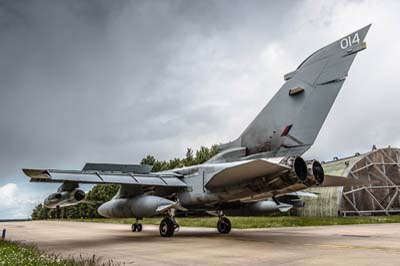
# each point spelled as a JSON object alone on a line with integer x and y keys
{"x": 137, "y": 227}
{"x": 168, "y": 225}
{"x": 224, "y": 224}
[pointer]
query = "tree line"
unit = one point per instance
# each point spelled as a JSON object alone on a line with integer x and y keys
{"x": 102, "y": 193}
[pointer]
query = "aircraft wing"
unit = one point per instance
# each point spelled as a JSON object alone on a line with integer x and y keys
{"x": 81, "y": 176}
{"x": 246, "y": 171}
{"x": 242, "y": 172}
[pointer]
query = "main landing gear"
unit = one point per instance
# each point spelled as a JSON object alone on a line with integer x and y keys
{"x": 168, "y": 225}
{"x": 224, "y": 224}
{"x": 137, "y": 227}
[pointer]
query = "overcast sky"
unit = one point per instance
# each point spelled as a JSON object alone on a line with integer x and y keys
{"x": 113, "y": 81}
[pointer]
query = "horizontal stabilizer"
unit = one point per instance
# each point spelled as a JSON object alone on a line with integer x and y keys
{"x": 240, "y": 172}
{"x": 302, "y": 194}
{"x": 340, "y": 181}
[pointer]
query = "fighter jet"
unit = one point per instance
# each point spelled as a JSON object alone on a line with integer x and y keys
{"x": 258, "y": 172}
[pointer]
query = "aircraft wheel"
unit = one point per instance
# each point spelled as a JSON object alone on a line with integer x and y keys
{"x": 139, "y": 227}
{"x": 167, "y": 227}
{"x": 134, "y": 227}
{"x": 224, "y": 225}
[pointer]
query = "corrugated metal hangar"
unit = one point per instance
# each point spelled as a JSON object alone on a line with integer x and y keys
{"x": 382, "y": 197}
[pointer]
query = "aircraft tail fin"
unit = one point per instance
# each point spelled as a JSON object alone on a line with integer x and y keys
{"x": 291, "y": 121}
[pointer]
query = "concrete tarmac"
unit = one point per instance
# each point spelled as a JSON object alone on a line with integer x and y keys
{"x": 324, "y": 245}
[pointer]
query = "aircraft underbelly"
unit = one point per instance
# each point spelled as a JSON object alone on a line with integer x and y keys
{"x": 250, "y": 191}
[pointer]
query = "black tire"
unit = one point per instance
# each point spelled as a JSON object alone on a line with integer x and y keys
{"x": 134, "y": 228}
{"x": 139, "y": 227}
{"x": 224, "y": 225}
{"x": 167, "y": 227}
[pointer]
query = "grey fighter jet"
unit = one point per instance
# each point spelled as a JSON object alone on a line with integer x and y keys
{"x": 259, "y": 172}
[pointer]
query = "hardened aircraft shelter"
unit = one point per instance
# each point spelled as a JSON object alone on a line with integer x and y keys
{"x": 382, "y": 166}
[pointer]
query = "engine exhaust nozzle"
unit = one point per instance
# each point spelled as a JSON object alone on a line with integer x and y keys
{"x": 316, "y": 172}
{"x": 300, "y": 169}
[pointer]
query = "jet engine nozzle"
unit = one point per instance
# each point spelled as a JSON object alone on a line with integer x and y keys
{"x": 64, "y": 198}
{"x": 315, "y": 172}
{"x": 299, "y": 167}
{"x": 79, "y": 195}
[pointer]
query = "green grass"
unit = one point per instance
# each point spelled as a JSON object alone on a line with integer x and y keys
{"x": 259, "y": 222}
{"x": 18, "y": 254}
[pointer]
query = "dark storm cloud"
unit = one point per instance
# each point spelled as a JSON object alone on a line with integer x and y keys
{"x": 116, "y": 80}
{"x": 79, "y": 75}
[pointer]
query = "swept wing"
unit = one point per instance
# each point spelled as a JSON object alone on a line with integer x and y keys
{"x": 247, "y": 172}
{"x": 99, "y": 177}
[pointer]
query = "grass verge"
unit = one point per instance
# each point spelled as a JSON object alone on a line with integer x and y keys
{"x": 259, "y": 222}
{"x": 15, "y": 253}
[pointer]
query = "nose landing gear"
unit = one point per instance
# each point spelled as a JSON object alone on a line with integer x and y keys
{"x": 137, "y": 227}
